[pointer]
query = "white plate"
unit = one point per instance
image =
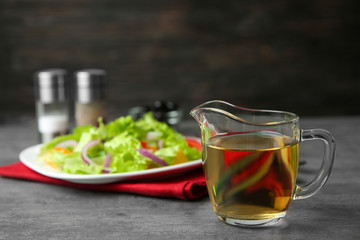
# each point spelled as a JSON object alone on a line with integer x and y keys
{"x": 29, "y": 157}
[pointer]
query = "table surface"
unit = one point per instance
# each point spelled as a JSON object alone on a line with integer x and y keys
{"x": 32, "y": 210}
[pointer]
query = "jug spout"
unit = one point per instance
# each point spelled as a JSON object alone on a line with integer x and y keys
{"x": 213, "y": 112}
{"x": 196, "y": 113}
{"x": 219, "y": 117}
{"x": 202, "y": 113}
{"x": 212, "y": 116}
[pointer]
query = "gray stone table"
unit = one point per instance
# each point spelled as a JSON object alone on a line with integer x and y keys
{"x": 32, "y": 210}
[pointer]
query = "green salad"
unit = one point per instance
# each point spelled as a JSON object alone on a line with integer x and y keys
{"x": 122, "y": 145}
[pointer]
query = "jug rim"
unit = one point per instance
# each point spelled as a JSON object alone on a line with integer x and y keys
{"x": 292, "y": 117}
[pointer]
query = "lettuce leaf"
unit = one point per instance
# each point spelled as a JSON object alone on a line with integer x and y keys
{"x": 121, "y": 125}
{"x": 51, "y": 144}
{"x": 73, "y": 164}
{"x": 125, "y": 157}
{"x": 168, "y": 154}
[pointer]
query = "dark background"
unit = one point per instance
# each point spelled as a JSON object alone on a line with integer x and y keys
{"x": 299, "y": 56}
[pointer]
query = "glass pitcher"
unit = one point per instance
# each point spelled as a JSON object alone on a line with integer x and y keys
{"x": 250, "y": 160}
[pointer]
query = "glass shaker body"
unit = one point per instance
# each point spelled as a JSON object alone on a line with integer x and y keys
{"x": 52, "y": 103}
{"x": 90, "y": 101}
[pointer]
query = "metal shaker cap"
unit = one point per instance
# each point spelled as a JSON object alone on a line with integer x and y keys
{"x": 51, "y": 85}
{"x": 90, "y": 85}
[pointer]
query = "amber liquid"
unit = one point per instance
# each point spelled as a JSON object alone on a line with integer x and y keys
{"x": 251, "y": 176}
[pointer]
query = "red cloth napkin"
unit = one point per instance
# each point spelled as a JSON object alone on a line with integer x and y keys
{"x": 189, "y": 186}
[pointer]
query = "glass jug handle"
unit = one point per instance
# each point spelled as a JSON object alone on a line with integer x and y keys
{"x": 324, "y": 172}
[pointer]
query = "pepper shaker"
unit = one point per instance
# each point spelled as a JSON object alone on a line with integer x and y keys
{"x": 90, "y": 96}
{"x": 52, "y": 103}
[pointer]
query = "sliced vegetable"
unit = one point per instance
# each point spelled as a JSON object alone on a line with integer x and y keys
{"x": 107, "y": 163}
{"x": 151, "y": 148}
{"x": 84, "y": 156}
{"x": 147, "y": 154}
{"x": 194, "y": 143}
{"x": 67, "y": 143}
{"x": 160, "y": 143}
{"x": 153, "y": 136}
{"x": 59, "y": 149}
{"x": 180, "y": 157}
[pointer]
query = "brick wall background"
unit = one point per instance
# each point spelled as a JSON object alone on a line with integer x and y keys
{"x": 300, "y": 56}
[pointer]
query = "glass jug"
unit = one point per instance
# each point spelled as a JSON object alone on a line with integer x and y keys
{"x": 250, "y": 160}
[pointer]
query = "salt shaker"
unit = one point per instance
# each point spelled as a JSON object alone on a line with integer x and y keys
{"x": 90, "y": 96}
{"x": 52, "y": 103}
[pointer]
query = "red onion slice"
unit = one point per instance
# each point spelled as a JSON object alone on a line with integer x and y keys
{"x": 160, "y": 143}
{"x": 84, "y": 156}
{"x": 67, "y": 143}
{"x": 107, "y": 163}
{"x": 147, "y": 154}
{"x": 87, "y": 160}
{"x": 106, "y": 170}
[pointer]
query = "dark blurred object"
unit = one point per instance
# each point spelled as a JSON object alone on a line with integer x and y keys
{"x": 298, "y": 56}
{"x": 164, "y": 111}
